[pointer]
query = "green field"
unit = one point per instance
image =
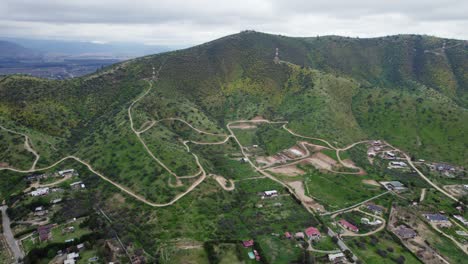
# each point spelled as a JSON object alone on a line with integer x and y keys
{"x": 380, "y": 248}
{"x": 336, "y": 191}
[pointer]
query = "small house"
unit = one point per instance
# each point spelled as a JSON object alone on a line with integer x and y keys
{"x": 312, "y": 233}
{"x": 272, "y": 193}
{"x": 366, "y": 221}
{"x": 65, "y": 172}
{"x": 40, "y": 191}
{"x": 398, "y": 164}
{"x": 461, "y": 219}
{"x": 438, "y": 219}
{"x": 44, "y": 232}
{"x": 347, "y": 225}
{"x": 336, "y": 257}
{"x": 375, "y": 209}
{"x": 405, "y": 232}
{"x": 287, "y": 235}
{"x": 248, "y": 243}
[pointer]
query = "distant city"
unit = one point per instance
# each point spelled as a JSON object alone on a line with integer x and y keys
{"x": 55, "y": 59}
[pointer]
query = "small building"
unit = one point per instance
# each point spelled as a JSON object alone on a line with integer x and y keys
{"x": 248, "y": 243}
{"x": 44, "y": 232}
{"x": 288, "y": 235}
{"x": 65, "y": 172}
{"x": 390, "y": 155}
{"x": 393, "y": 186}
{"x": 299, "y": 235}
{"x": 251, "y": 255}
{"x": 347, "y": 225}
{"x": 398, "y": 164}
{"x": 257, "y": 256}
{"x": 40, "y": 191}
{"x": 56, "y": 201}
{"x": 312, "y": 233}
{"x": 461, "y": 219}
{"x": 77, "y": 185}
{"x": 438, "y": 219}
{"x": 366, "y": 221}
{"x": 405, "y": 232}
{"x": 272, "y": 193}
{"x": 444, "y": 167}
{"x": 40, "y": 211}
{"x": 375, "y": 209}
{"x": 336, "y": 257}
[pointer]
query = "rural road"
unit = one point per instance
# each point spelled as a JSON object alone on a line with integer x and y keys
{"x": 8, "y": 234}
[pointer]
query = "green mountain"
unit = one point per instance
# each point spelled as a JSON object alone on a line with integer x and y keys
{"x": 409, "y": 90}
{"x": 406, "y": 89}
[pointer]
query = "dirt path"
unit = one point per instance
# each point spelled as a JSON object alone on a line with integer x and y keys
{"x": 223, "y": 182}
{"x": 423, "y": 194}
{"x": 27, "y": 145}
{"x": 408, "y": 159}
{"x": 37, "y": 185}
{"x": 380, "y": 228}
{"x": 313, "y": 138}
{"x": 264, "y": 173}
{"x": 464, "y": 248}
{"x": 356, "y": 205}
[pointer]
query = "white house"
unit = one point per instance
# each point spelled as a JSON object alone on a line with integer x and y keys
{"x": 335, "y": 257}
{"x": 40, "y": 191}
{"x": 272, "y": 193}
{"x": 63, "y": 172}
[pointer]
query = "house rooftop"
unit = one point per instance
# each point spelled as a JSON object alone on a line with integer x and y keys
{"x": 248, "y": 243}
{"x": 312, "y": 231}
{"x": 436, "y": 217}
{"x": 375, "y": 208}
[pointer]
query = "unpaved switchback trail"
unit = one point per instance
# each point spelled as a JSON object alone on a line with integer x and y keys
{"x": 27, "y": 145}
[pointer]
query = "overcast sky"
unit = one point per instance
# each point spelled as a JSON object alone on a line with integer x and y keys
{"x": 177, "y": 22}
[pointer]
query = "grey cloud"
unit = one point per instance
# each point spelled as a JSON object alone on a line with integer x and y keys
{"x": 177, "y": 22}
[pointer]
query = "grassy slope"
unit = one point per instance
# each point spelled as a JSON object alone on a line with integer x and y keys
{"x": 234, "y": 78}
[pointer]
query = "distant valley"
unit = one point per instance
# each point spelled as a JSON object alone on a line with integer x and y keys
{"x": 64, "y": 59}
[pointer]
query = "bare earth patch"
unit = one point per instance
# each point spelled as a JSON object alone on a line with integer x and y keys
{"x": 289, "y": 170}
{"x": 298, "y": 187}
{"x": 371, "y": 182}
{"x": 456, "y": 190}
{"x": 243, "y": 126}
{"x": 223, "y": 182}
{"x": 321, "y": 161}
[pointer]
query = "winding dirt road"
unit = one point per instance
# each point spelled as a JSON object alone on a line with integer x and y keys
{"x": 27, "y": 145}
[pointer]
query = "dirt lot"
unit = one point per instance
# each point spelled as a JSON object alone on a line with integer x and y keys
{"x": 298, "y": 187}
{"x": 288, "y": 170}
{"x": 243, "y": 126}
{"x": 321, "y": 161}
{"x": 418, "y": 244}
{"x": 371, "y": 182}
{"x": 456, "y": 190}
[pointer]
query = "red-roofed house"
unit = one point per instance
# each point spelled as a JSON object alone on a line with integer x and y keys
{"x": 248, "y": 243}
{"x": 288, "y": 235}
{"x": 44, "y": 232}
{"x": 312, "y": 232}
{"x": 348, "y": 225}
